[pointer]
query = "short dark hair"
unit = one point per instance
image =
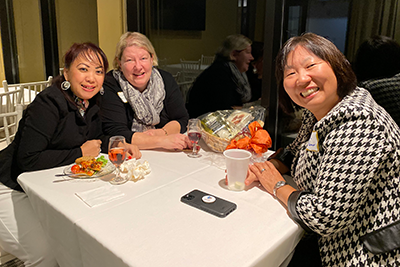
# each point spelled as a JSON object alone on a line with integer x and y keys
{"x": 324, "y": 49}
{"x": 377, "y": 57}
{"x": 88, "y": 50}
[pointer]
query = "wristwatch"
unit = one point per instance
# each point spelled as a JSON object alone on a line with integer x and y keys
{"x": 277, "y": 186}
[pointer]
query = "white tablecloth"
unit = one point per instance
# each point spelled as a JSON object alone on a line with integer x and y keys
{"x": 150, "y": 226}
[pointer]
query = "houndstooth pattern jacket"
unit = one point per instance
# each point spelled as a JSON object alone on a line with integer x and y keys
{"x": 350, "y": 186}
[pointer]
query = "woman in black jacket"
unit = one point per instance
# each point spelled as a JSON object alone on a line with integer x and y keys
{"x": 141, "y": 102}
{"x": 60, "y": 125}
{"x": 223, "y": 85}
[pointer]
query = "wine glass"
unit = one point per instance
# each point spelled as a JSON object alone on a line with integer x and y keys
{"x": 117, "y": 155}
{"x": 194, "y": 135}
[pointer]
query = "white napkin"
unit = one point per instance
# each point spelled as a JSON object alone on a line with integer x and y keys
{"x": 99, "y": 195}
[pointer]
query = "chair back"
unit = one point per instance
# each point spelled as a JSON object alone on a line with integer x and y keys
{"x": 10, "y": 99}
{"x": 177, "y": 76}
{"x": 30, "y": 89}
{"x": 207, "y": 60}
{"x": 9, "y": 124}
{"x": 162, "y": 63}
{"x": 184, "y": 87}
{"x": 190, "y": 69}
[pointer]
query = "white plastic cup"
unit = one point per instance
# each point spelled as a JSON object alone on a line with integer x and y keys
{"x": 237, "y": 163}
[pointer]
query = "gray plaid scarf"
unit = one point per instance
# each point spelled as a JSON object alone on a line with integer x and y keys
{"x": 243, "y": 86}
{"x": 148, "y": 104}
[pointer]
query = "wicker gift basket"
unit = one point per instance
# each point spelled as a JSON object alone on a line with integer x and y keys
{"x": 237, "y": 122}
{"x": 215, "y": 143}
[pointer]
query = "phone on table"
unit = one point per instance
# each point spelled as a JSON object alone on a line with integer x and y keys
{"x": 209, "y": 203}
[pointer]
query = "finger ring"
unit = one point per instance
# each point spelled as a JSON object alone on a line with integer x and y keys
{"x": 262, "y": 170}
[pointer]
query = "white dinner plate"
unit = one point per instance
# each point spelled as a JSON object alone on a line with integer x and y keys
{"x": 109, "y": 168}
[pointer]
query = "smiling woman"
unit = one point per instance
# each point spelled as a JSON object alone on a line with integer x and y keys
{"x": 59, "y": 126}
{"x": 143, "y": 103}
{"x": 345, "y": 160}
{"x": 223, "y": 85}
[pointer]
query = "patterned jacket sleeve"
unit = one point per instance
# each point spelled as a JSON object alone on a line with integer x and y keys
{"x": 353, "y": 155}
{"x": 308, "y": 120}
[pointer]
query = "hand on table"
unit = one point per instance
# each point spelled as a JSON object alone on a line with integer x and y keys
{"x": 176, "y": 141}
{"x": 265, "y": 173}
{"x": 91, "y": 148}
{"x": 133, "y": 151}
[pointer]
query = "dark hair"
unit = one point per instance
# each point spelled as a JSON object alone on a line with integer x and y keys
{"x": 323, "y": 49}
{"x": 88, "y": 50}
{"x": 378, "y": 57}
{"x": 257, "y": 50}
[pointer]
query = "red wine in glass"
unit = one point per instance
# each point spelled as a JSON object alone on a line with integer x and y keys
{"x": 194, "y": 137}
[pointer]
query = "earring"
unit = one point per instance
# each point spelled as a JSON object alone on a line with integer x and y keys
{"x": 102, "y": 91}
{"x": 65, "y": 85}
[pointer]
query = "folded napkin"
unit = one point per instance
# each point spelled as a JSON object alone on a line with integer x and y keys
{"x": 99, "y": 195}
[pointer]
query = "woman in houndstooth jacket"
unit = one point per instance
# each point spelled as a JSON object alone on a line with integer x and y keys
{"x": 345, "y": 160}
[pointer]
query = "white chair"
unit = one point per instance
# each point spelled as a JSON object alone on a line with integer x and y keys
{"x": 162, "y": 63}
{"x": 30, "y": 89}
{"x": 10, "y": 99}
{"x": 5, "y": 257}
{"x": 61, "y": 71}
{"x": 9, "y": 125}
{"x": 207, "y": 60}
{"x": 177, "y": 77}
{"x": 190, "y": 69}
{"x": 184, "y": 87}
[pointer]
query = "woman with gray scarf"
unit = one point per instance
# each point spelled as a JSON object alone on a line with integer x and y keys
{"x": 141, "y": 102}
{"x": 223, "y": 85}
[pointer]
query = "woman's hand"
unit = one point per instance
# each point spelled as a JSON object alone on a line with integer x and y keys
{"x": 91, "y": 148}
{"x": 265, "y": 173}
{"x": 133, "y": 151}
{"x": 176, "y": 141}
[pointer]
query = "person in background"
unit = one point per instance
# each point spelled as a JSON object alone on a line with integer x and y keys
{"x": 223, "y": 85}
{"x": 345, "y": 160}
{"x": 59, "y": 126}
{"x": 377, "y": 66}
{"x": 143, "y": 103}
{"x": 254, "y": 73}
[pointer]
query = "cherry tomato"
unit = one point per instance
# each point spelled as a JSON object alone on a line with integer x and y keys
{"x": 75, "y": 169}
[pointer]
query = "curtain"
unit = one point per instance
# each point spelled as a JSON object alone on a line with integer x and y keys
{"x": 369, "y": 18}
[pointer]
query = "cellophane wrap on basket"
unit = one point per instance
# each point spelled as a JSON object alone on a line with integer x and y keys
{"x": 219, "y": 128}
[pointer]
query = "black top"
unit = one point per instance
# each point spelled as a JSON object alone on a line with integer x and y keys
{"x": 255, "y": 83}
{"x": 118, "y": 116}
{"x": 214, "y": 89}
{"x": 386, "y": 92}
{"x": 49, "y": 135}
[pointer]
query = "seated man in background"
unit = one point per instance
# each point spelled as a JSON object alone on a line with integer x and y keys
{"x": 254, "y": 73}
{"x": 377, "y": 67}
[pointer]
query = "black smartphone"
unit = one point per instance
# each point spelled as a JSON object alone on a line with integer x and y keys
{"x": 209, "y": 203}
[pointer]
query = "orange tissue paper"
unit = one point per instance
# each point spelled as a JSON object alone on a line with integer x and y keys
{"x": 259, "y": 141}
